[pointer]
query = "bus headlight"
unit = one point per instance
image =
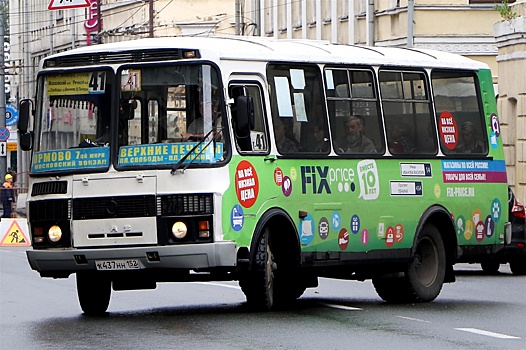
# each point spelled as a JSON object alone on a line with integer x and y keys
{"x": 54, "y": 234}
{"x": 179, "y": 230}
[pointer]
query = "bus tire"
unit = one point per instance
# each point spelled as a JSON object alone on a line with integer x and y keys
{"x": 425, "y": 274}
{"x": 258, "y": 284}
{"x": 274, "y": 279}
{"x": 94, "y": 293}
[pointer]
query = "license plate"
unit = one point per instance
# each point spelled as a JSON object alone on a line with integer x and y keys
{"x": 113, "y": 265}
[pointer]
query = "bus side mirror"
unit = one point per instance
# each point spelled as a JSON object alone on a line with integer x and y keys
{"x": 26, "y": 141}
{"x": 245, "y": 115}
{"x": 24, "y": 115}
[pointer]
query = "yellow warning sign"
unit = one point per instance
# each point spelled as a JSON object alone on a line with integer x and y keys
{"x": 15, "y": 236}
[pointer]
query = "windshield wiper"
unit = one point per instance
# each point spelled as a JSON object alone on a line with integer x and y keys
{"x": 175, "y": 169}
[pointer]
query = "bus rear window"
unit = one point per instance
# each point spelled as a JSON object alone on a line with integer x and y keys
{"x": 460, "y": 119}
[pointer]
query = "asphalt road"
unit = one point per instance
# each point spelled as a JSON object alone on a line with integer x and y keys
{"x": 476, "y": 312}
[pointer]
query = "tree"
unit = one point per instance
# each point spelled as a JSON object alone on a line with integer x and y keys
{"x": 505, "y": 10}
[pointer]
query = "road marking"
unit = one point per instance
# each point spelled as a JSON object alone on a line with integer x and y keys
{"x": 413, "y": 319}
{"x": 219, "y": 285}
{"x": 341, "y": 307}
{"x": 487, "y": 333}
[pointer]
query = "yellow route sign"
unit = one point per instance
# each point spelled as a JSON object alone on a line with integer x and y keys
{"x": 15, "y": 235}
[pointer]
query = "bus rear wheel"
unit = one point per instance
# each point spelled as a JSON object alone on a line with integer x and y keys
{"x": 94, "y": 293}
{"x": 425, "y": 274}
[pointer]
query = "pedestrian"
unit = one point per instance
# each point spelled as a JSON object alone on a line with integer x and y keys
{"x": 12, "y": 173}
{"x": 8, "y": 196}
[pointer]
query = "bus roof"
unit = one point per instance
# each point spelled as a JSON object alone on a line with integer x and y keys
{"x": 296, "y": 50}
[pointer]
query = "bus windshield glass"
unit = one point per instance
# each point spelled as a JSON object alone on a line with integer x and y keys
{"x": 163, "y": 113}
{"x": 72, "y": 124}
{"x": 166, "y": 112}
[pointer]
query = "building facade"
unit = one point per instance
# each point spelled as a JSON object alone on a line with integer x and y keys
{"x": 459, "y": 26}
{"x": 511, "y": 41}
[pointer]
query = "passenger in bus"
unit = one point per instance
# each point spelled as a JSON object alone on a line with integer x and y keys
{"x": 285, "y": 145}
{"x": 355, "y": 141}
{"x": 321, "y": 142}
{"x": 469, "y": 144}
{"x": 400, "y": 139}
{"x": 195, "y": 129}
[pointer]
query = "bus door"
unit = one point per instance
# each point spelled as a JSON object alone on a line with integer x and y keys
{"x": 252, "y": 162}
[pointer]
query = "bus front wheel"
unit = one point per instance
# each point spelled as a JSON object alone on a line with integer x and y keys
{"x": 258, "y": 284}
{"x": 425, "y": 274}
{"x": 94, "y": 293}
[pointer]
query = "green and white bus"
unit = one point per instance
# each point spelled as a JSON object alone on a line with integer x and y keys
{"x": 270, "y": 162}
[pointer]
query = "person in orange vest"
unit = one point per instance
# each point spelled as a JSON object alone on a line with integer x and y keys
{"x": 8, "y": 195}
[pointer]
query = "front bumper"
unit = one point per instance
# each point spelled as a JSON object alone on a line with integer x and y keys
{"x": 62, "y": 262}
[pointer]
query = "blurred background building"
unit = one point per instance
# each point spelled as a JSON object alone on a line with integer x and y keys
{"x": 473, "y": 28}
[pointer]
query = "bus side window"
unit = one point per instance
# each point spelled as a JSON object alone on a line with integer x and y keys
{"x": 297, "y": 106}
{"x": 407, "y": 112}
{"x": 356, "y": 126}
{"x": 459, "y": 117}
{"x": 257, "y": 140}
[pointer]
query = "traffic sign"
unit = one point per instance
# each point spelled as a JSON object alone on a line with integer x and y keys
{"x": 15, "y": 235}
{"x": 67, "y": 4}
{"x": 4, "y": 133}
{"x": 3, "y": 149}
{"x": 11, "y": 147}
{"x": 11, "y": 115}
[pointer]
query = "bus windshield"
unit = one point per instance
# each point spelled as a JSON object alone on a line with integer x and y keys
{"x": 163, "y": 112}
{"x": 72, "y": 118}
{"x": 166, "y": 112}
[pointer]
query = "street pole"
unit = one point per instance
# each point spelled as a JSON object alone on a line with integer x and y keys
{"x": 150, "y": 19}
{"x": 3, "y": 159}
{"x": 238, "y": 17}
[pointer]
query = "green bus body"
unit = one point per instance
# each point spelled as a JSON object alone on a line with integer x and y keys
{"x": 124, "y": 198}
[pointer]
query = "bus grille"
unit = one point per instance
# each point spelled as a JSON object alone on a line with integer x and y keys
{"x": 113, "y": 207}
{"x": 117, "y": 57}
{"x": 186, "y": 204}
{"x": 49, "y": 210}
{"x": 51, "y": 187}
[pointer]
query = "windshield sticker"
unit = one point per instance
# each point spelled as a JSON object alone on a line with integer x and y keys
{"x": 159, "y": 154}
{"x": 131, "y": 80}
{"x": 447, "y": 126}
{"x": 71, "y": 159}
{"x": 76, "y": 84}
{"x": 474, "y": 171}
